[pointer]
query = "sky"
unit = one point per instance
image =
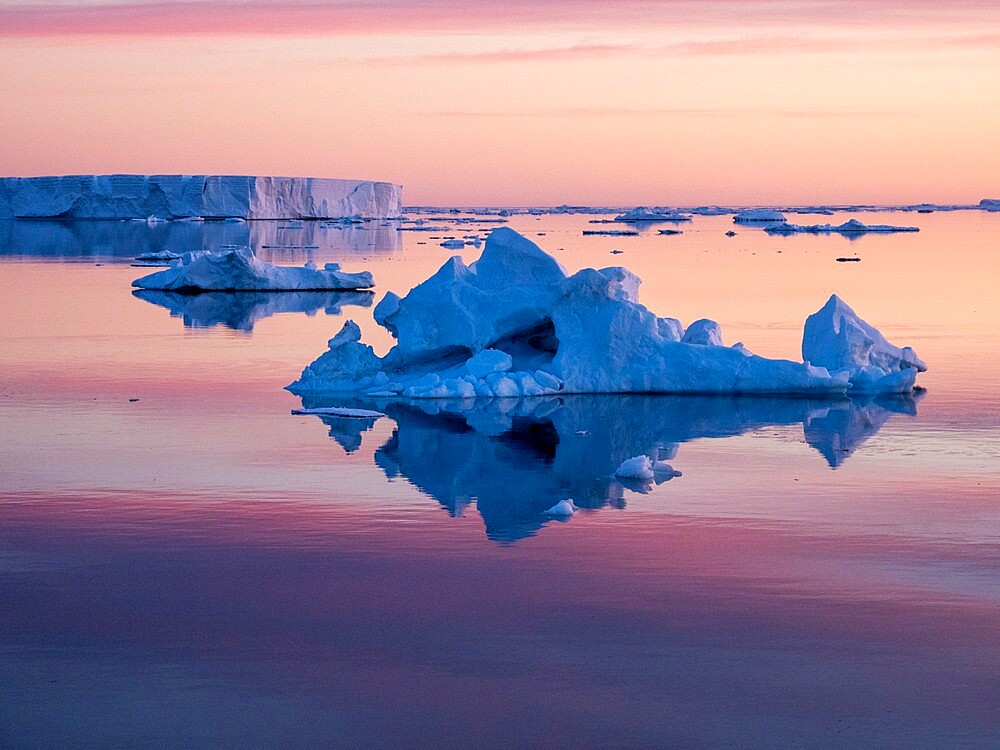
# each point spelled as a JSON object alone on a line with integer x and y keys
{"x": 517, "y": 102}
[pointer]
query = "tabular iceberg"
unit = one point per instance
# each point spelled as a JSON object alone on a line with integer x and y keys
{"x": 238, "y": 270}
{"x": 205, "y": 196}
{"x": 514, "y": 324}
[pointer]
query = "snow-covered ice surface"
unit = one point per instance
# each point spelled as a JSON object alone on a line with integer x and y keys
{"x": 238, "y": 269}
{"x": 157, "y": 197}
{"x": 851, "y": 226}
{"x": 549, "y": 333}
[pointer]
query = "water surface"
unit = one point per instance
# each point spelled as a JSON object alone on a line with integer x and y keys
{"x": 185, "y": 563}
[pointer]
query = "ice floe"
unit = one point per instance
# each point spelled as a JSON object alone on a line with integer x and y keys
{"x": 238, "y": 269}
{"x": 641, "y": 214}
{"x": 849, "y": 227}
{"x": 759, "y": 216}
{"x": 552, "y": 333}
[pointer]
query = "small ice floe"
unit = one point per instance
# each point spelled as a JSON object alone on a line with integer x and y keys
{"x": 611, "y": 232}
{"x": 453, "y": 244}
{"x": 159, "y": 255}
{"x": 849, "y": 227}
{"x": 759, "y": 216}
{"x": 341, "y": 411}
{"x": 562, "y": 509}
{"x": 642, "y": 214}
{"x": 670, "y": 231}
{"x": 730, "y": 233}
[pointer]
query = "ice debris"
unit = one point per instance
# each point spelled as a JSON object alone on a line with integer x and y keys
{"x": 238, "y": 269}
{"x": 835, "y": 338}
{"x": 515, "y": 324}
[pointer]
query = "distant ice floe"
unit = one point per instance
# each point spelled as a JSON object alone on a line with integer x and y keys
{"x": 641, "y": 214}
{"x": 759, "y": 216}
{"x": 514, "y": 324}
{"x": 238, "y": 269}
{"x": 849, "y": 227}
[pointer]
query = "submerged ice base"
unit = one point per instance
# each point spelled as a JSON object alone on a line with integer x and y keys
{"x": 515, "y": 324}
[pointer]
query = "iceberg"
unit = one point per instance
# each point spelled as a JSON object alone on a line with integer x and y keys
{"x": 552, "y": 333}
{"x": 153, "y": 198}
{"x": 836, "y": 339}
{"x": 238, "y": 269}
{"x": 759, "y": 216}
{"x": 849, "y": 227}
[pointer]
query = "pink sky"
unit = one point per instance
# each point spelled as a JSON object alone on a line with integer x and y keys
{"x": 517, "y": 102}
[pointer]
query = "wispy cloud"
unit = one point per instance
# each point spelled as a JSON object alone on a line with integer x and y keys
{"x": 731, "y": 47}
{"x": 604, "y": 112}
{"x": 390, "y": 17}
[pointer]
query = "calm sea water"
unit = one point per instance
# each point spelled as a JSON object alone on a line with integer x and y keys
{"x": 184, "y": 563}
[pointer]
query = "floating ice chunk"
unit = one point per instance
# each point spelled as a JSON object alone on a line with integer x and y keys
{"x": 238, "y": 269}
{"x": 341, "y": 411}
{"x": 564, "y": 508}
{"x": 637, "y": 467}
{"x": 453, "y": 244}
{"x": 705, "y": 332}
{"x": 837, "y": 339}
{"x": 759, "y": 216}
{"x": 331, "y": 266}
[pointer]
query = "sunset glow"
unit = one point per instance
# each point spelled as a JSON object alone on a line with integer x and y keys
{"x": 517, "y": 103}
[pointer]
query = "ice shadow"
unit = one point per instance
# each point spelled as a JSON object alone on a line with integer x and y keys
{"x": 515, "y": 458}
{"x": 241, "y": 310}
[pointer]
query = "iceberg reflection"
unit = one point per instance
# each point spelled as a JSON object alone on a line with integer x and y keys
{"x": 273, "y": 241}
{"x": 517, "y": 458}
{"x": 241, "y": 310}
